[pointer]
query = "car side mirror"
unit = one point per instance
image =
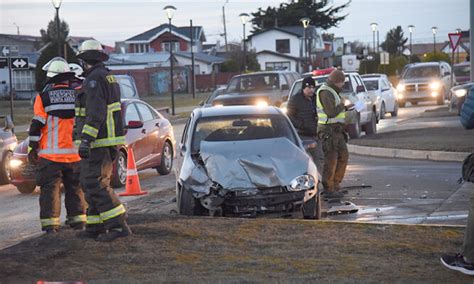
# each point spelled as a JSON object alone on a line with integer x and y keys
{"x": 447, "y": 73}
{"x": 134, "y": 124}
{"x": 360, "y": 89}
{"x": 285, "y": 87}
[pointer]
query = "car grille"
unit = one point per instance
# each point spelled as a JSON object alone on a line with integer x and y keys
{"x": 417, "y": 87}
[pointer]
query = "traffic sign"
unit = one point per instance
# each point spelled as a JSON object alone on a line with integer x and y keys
{"x": 19, "y": 62}
{"x": 454, "y": 39}
{"x": 5, "y": 50}
{"x": 3, "y": 62}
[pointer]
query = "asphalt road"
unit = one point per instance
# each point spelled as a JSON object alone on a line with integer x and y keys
{"x": 403, "y": 191}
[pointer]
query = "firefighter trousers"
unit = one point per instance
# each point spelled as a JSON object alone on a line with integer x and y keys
{"x": 105, "y": 210}
{"x": 49, "y": 177}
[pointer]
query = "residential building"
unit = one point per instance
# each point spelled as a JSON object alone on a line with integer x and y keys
{"x": 286, "y": 48}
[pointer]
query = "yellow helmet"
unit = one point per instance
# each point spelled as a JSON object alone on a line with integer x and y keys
{"x": 91, "y": 49}
{"x": 56, "y": 66}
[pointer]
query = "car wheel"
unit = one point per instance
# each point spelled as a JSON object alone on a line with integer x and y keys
{"x": 187, "y": 204}
{"x": 166, "y": 159}
{"x": 5, "y": 168}
{"x": 382, "y": 111}
{"x": 26, "y": 188}
{"x": 371, "y": 127}
{"x": 119, "y": 176}
{"x": 401, "y": 103}
{"x": 395, "y": 110}
{"x": 311, "y": 209}
{"x": 354, "y": 129}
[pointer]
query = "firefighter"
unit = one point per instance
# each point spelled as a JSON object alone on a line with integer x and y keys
{"x": 98, "y": 131}
{"x": 52, "y": 149}
{"x": 331, "y": 132}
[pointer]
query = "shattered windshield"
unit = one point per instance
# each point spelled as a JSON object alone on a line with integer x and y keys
{"x": 243, "y": 127}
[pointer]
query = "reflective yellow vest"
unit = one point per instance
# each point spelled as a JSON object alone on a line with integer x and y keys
{"x": 322, "y": 116}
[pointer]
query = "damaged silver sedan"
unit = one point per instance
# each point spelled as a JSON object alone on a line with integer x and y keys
{"x": 244, "y": 161}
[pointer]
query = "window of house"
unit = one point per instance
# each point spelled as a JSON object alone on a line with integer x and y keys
{"x": 165, "y": 46}
{"x": 282, "y": 45}
{"x": 197, "y": 69}
{"x": 284, "y": 65}
{"x": 23, "y": 80}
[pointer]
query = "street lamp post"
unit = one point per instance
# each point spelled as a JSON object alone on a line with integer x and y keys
{"x": 434, "y": 30}
{"x": 244, "y": 18}
{"x": 305, "y": 21}
{"x": 57, "y": 5}
{"x": 169, "y": 14}
{"x": 374, "y": 27}
{"x": 458, "y": 31}
{"x": 410, "y": 29}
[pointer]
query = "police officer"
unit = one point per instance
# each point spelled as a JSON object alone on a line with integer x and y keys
{"x": 53, "y": 150}
{"x": 331, "y": 132}
{"x": 301, "y": 110}
{"x": 98, "y": 131}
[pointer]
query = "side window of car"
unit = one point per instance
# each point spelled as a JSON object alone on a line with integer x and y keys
{"x": 185, "y": 131}
{"x": 358, "y": 81}
{"x": 233, "y": 85}
{"x": 145, "y": 112}
{"x": 283, "y": 80}
{"x": 131, "y": 113}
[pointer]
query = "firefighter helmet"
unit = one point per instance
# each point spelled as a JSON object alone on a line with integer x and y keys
{"x": 77, "y": 69}
{"x": 56, "y": 66}
{"x": 91, "y": 50}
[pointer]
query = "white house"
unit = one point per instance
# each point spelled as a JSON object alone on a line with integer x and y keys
{"x": 288, "y": 48}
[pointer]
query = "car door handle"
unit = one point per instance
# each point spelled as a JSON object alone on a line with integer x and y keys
{"x": 143, "y": 131}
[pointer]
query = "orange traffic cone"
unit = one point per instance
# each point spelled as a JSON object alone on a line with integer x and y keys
{"x": 132, "y": 185}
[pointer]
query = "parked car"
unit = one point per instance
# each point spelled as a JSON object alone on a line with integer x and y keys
{"x": 424, "y": 81}
{"x": 354, "y": 90}
{"x": 458, "y": 96}
{"x": 208, "y": 101}
{"x": 148, "y": 132}
{"x": 244, "y": 160}
{"x": 382, "y": 93}
{"x": 8, "y": 143}
{"x": 269, "y": 86}
{"x": 462, "y": 71}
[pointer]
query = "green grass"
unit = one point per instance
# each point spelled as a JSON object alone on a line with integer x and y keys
{"x": 180, "y": 100}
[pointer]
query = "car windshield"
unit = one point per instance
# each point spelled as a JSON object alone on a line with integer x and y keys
{"x": 462, "y": 70}
{"x": 347, "y": 85}
{"x": 254, "y": 83}
{"x": 126, "y": 88}
{"x": 371, "y": 85}
{"x": 421, "y": 72}
{"x": 242, "y": 127}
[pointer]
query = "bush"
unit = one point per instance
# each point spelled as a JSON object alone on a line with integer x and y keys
{"x": 438, "y": 56}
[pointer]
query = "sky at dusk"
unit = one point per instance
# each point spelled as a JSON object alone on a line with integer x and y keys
{"x": 117, "y": 20}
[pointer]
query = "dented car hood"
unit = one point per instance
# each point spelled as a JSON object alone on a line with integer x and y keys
{"x": 243, "y": 165}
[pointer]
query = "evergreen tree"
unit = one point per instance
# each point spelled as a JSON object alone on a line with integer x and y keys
{"x": 395, "y": 41}
{"x": 289, "y": 14}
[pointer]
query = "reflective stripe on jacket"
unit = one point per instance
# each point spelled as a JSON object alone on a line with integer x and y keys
{"x": 323, "y": 117}
{"x": 98, "y": 110}
{"x": 52, "y": 124}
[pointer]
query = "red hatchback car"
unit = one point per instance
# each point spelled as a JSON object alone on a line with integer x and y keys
{"x": 148, "y": 132}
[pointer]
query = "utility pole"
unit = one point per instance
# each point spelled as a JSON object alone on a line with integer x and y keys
{"x": 225, "y": 30}
{"x": 471, "y": 38}
{"x": 193, "y": 77}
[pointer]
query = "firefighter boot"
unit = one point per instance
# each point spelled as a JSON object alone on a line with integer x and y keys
{"x": 90, "y": 233}
{"x": 114, "y": 233}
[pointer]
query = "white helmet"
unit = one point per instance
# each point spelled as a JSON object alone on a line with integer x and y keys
{"x": 56, "y": 66}
{"x": 77, "y": 69}
{"x": 91, "y": 49}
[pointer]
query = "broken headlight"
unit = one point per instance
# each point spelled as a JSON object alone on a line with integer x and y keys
{"x": 303, "y": 182}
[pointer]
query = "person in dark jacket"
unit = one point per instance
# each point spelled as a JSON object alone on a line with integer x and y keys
{"x": 98, "y": 130}
{"x": 301, "y": 110}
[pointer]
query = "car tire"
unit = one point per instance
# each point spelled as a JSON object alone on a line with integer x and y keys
{"x": 26, "y": 188}
{"x": 354, "y": 129}
{"x": 371, "y": 127}
{"x": 401, "y": 103}
{"x": 312, "y": 208}
{"x": 187, "y": 204}
{"x": 119, "y": 175}
{"x": 166, "y": 159}
{"x": 395, "y": 110}
{"x": 5, "y": 168}
{"x": 382, "y": 111}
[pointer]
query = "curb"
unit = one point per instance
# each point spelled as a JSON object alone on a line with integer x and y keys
{"x": 407, "y": 154}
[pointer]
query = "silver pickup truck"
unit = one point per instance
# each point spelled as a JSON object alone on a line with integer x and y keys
{"x": 354, "y": 90}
